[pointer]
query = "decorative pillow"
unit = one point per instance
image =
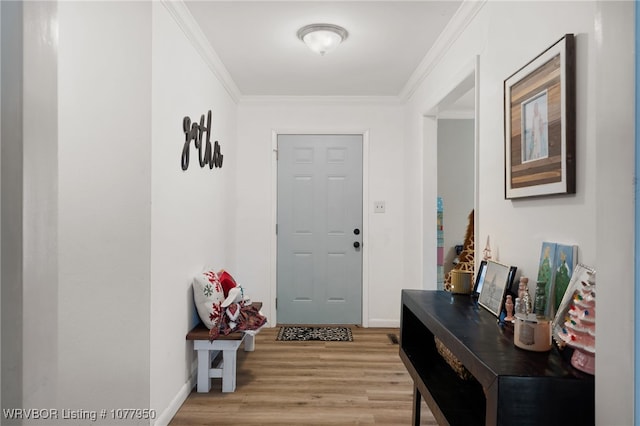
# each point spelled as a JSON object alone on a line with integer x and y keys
{"x": 235, "y": 296}
{"x": 208, "y": 296}
{"x": 227, "y": 281}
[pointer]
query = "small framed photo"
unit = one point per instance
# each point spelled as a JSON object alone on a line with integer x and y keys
{"x": 512, "y": 284}
{"x": 497, "y": 278}
{"x": 482, "y": 270}
{"x": 539, "y": 121}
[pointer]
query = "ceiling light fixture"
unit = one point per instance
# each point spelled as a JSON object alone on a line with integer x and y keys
{"x": 322, "y": 38}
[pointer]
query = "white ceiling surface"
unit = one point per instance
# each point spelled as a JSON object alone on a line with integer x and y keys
{"x": 256, "y": 41}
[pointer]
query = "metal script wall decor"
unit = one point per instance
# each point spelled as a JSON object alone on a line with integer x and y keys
{"x": 195, "y": 132}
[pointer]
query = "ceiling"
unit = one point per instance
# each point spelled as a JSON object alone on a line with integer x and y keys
{"x": 257, "y": 44}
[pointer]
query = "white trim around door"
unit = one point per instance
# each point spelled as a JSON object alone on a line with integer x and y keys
{"x": 273, "y": 289}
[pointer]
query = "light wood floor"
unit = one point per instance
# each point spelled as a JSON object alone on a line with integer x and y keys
{"x": 312, "y": 383}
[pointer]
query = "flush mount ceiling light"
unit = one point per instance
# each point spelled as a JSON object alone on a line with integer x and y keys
{"x": 322, "y": 38}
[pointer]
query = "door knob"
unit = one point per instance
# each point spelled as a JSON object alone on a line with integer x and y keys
{"x": 356, "y": 231}
{"x": 356, "y": 244}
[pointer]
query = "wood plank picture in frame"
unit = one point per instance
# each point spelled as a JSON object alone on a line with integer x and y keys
{"x": 539, "y": 121}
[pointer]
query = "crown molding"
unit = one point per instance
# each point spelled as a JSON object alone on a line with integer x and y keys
{"x": 185, "y": 20}
{"x": 463, "y": 16}
{"x": 322, "y": 100}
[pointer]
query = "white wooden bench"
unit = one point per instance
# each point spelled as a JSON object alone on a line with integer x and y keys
{"x": 209, "y": 350}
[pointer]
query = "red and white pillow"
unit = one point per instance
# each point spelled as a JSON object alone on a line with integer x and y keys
{"x": 208, "y": 295}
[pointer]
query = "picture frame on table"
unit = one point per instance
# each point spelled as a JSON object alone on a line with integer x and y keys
{"x": 497, "y": 279}
{"x": 482, "y": 270}
{"x": 512, "y": 286}
{"x": 539, "y": 121}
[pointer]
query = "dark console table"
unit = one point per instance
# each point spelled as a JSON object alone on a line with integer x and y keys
{"x": 510, "y": 386}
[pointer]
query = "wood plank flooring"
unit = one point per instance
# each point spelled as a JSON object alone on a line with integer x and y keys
{"x": 312, "y": 383}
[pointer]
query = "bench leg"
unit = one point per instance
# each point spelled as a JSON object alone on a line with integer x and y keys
{"x": 249, "y": 343}
{"x": 228, "y": 370}
{"x": 204, "y": 383}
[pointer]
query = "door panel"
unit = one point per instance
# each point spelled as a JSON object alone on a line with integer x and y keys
{"x": 319, "y": 271}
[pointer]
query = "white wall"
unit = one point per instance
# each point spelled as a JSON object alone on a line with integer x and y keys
{"x": 456, "y": 174}
{"x": 256, "y": 198}
{"x": 40, "y": 203}
{"x": 29, "y": 276}
{"x": 193, "y": 211}
{"x": 613, "y": 107}
{"x": 104, "y": 205}
{"x": 12, "y": 195}
{"x": 506, "y": 35}
{"x": 113, "y": 228}
{"x": 1, "y": 276}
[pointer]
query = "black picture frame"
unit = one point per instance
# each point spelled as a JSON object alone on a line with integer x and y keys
{"x": 495, "y": 284}
{"x": 512, "y": 286}
{"x": 482, "y": 270}
{"x": 540, "y": 124}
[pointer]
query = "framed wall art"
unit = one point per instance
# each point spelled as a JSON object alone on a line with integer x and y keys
{"x": 497, "y": 278}
{"x": 540, "y": 130}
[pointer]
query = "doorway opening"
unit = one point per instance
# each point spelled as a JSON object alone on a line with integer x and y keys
{"x": 450, "y": 129}
{"x": 456, "y": 179}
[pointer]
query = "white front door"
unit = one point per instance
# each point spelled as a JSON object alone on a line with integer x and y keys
{"x": 319, "y": 258}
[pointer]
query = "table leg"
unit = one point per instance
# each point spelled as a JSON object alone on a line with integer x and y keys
{"x": 417, "y": 400}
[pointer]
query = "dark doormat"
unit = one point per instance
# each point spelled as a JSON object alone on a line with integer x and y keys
{"x": 326, "y": 334}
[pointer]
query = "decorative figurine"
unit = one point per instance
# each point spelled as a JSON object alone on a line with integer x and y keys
{"x": 523, "y": 294}
{"x": 522, "y": 286}
{"x": 508, "y": 305}
{"x": 540, "y": 303}
{"x": 518, "y": 306}
{"x": 579, "y": 328}
{"x": 486, "y": 253}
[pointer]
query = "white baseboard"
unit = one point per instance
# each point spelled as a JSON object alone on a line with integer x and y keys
{"x": 384, "y": 323}
{"x": 165, "y": 417}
